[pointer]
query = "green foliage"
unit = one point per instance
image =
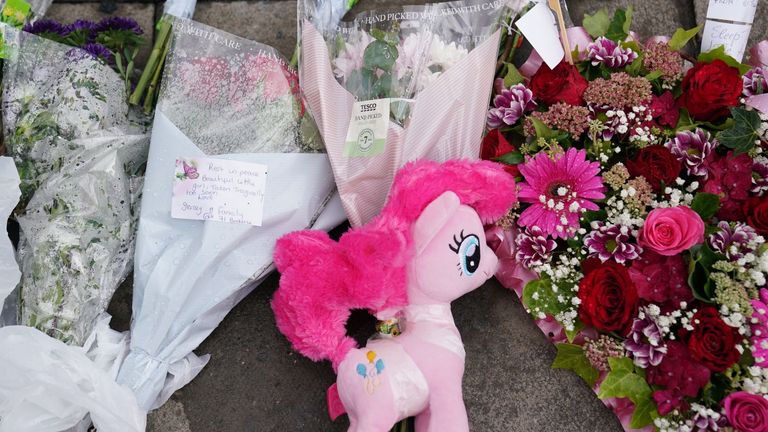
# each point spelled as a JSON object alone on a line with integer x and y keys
{"x": 597, "y": 24}
{"x": 702, "y": 259}
{"x": 682, "y": 37}
{"x": 511, "y": 158}
{"x": 625, "y": 380}
{"x": 745, "y": 131}
{"x": 540, "y": 297}
{"x": 571, "y": 357}
{"x": 513, "y": 75}
{"x": 719, "y": 54}
{"x": 706, "y": 205}
{"x": 379, "y": 55}
{"x": 618, "y": 29}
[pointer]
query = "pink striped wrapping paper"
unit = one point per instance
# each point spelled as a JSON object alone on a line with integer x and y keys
{"x": 447, "y": 122}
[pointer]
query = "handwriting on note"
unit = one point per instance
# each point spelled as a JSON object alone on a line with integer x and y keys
{"x": 742, "y": 11}
{"x": 734, "y": 37}
{"x": 218, "y": 190}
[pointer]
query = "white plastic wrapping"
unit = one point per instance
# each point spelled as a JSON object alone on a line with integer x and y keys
{"x": 80, "y": 155}
{"x": 9, "y": 270}
{"x": 48, "y": 386}
{"x": 180, "y": 8}
{"x": 222, "y": 97}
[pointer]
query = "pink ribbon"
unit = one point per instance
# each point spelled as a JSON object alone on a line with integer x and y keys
{"x": 511, "y": 273}
{"x": 758, "y": 55}
{"x": 579, "y": 39}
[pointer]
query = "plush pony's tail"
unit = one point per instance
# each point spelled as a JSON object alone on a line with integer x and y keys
{"x": 322, "y": 281}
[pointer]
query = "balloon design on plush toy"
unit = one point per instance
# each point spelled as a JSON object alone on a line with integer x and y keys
{"x": 426, "y": 249}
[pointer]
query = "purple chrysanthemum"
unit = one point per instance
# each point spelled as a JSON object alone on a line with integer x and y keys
{"x": 510, "y": 105}
{"x": 760, "y": 175}
{"x": 81, "y": 25}
{"x": 734, "y": 241}
{"x": 46, "y": 27}
{"x": 533, "y": 247}
{"x": 755, "y": 81}
{"x": 98, "y": 51}
{"x": 610, "y": 53}
{"x": 118, "y": 23}
{"x": 611, "y": 242}
{"x": 646, "y": 343}
{"x": 693, "y": 149}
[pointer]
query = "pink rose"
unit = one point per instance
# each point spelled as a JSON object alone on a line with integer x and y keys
{"x": 669, "y": 231}
{"x": 747, "y": 412}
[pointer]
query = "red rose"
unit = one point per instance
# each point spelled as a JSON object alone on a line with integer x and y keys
{"x": 563, "y": 84}
{"x": 656, "y": 164}
{"x": 709, "y": 89}
{"x": 496, "y": 145}
{"x": 712, "y": 342}
{"x": 756, "y": 210}
{"x": 609, "y": 298}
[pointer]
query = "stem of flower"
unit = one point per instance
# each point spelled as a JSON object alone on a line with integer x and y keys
{"x": 154, "y": 61}
{"x": 149, "y": 100}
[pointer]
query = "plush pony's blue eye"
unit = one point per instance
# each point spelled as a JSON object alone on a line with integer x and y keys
{"x": 468, "y": 249}
{"x": 469, "y": 255}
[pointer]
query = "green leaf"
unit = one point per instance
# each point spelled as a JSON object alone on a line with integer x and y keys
{"x": 685, "y": 122}
{"x": 572, "y": 357}
{"x": 388, "y": 38}
{"x": 511, "y": 158}
{"x": 682, "y": 37}
{"x": 706, "y": 205}
{"x": 618, "y": 29}
{"x": 654, "y": 75}
{"x": 513, "y": 76}
{"x": 702, "y": 259}
{"x": 379, "y": 55}
{"x": 597, "y": 24}
{"x": 578, "y": 326}
{"x": 720, "y": 54}
{"x": 625, "y": 381}
{"x": 544, "y": 131}
{"x": 742, "y": 136}
{"x": 540, "y": 296}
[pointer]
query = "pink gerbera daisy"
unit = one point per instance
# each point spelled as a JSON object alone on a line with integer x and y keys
{"x": 559, "y": 188}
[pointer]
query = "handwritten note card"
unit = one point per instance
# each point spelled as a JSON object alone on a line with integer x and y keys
{"x": 734, "y": 37}
{"x": 742, "y": 11}
{"x": 219, "y": 190}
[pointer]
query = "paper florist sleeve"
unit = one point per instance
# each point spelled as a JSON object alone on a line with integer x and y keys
{"x": 224, "y": 100}
{"x": 427, "y": 71}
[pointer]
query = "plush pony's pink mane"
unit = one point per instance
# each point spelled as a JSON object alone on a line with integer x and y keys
{"x": 322, "y": 281}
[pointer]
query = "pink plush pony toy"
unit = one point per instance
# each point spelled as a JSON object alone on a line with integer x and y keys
{"x": 426, "y": 249}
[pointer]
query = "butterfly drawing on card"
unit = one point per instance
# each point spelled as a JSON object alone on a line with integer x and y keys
{"x": 189, "y": 170}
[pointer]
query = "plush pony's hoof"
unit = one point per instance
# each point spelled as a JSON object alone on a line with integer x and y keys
{"x": 335, "y": 407}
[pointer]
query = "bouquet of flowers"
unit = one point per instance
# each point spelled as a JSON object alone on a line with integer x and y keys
{"x": 639, "y": 244}
{"x": 80, "y": 155}
{"x": 390, "y": 87}
{"x": 230, "y": 114}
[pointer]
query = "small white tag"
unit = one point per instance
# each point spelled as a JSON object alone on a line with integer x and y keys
{"x": 742, "y": 11}
{"x": 219, "y": 190}
{"x": 734, "y": 37}
{"x": 539, "y": 26}
{"x": 367, "y": 133}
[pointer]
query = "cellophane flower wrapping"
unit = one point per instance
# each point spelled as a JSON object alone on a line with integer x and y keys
{"x": 80, "y": 154}
{"x": 222, "y": 97}
{"x": 19, "y": 12}
{"x": 433, "y": 65}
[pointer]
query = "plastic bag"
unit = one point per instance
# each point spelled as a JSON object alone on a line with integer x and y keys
{"x": 222, "y": 97}
{"x": 431, "y": 67}
{"x": 48, "y": 386}
{"x": 9, "y": 270}
{"x": 80, "y": 154}
{"x": 19, "y": 12}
